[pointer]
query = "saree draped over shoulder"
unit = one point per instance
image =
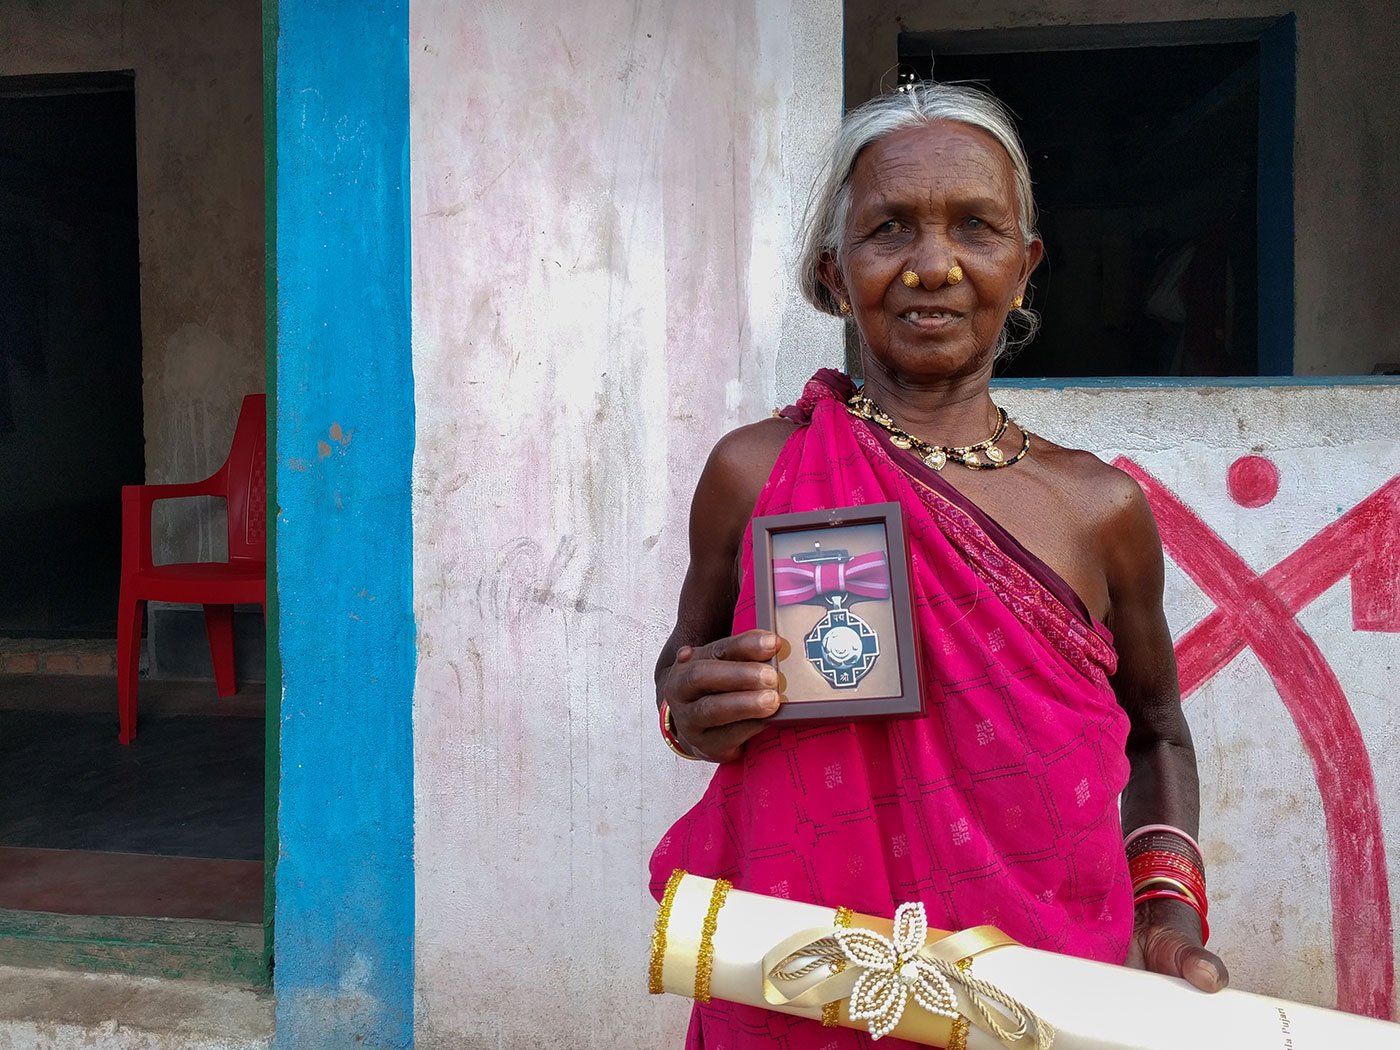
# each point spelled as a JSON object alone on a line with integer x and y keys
{"x": 999, "y": 807}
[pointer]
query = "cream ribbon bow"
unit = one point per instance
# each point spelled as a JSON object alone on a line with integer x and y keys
{"x": 892, "y": 969}
{"x": 881, "y": 974}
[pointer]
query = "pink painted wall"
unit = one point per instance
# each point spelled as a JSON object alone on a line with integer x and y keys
{"x": 604, "y": 196}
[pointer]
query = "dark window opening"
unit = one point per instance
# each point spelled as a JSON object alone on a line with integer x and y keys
{"x": 1145, "y": 165}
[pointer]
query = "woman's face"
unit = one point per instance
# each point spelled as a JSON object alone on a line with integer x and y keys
{"x": 926, "y": 199}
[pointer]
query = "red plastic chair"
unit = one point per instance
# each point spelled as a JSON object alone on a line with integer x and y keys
{"x": 218, "y": 586}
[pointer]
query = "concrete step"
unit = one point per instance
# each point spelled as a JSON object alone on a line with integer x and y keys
{"x": 62, "y": 1009}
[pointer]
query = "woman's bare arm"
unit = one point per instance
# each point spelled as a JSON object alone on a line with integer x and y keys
{"x": 1162, "y": 783}
{"x": 719, "y": 688}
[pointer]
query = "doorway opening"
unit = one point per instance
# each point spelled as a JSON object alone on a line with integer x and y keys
{"x": 70, "y": 349}
{"x": 146, "y": 856}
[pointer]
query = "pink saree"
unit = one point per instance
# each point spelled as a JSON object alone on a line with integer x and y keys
{"x": 1000, "y": 806}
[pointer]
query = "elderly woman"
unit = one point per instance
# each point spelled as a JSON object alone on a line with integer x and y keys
{"x": 1050, "y": 682}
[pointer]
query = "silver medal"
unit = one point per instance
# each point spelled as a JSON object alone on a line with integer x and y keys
{"x": 842, "y": 646}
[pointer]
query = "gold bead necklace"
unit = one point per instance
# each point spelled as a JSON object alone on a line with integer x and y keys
{"x": 935, "y": 456}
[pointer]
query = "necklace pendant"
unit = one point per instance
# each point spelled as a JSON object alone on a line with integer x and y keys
{"x": 842, "y": 647}
{"x": 937, "y": 456}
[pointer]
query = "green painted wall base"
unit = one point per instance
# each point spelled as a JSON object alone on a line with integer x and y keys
{"x": 174, "y": 948}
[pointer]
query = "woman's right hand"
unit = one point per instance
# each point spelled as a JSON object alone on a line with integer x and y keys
{"x": 721, "y": 694}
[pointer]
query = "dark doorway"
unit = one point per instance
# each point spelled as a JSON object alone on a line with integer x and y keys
{"x": 70, "y": 349}
{"x": 140, "y": 857}
{"x": 1145, "y": 162}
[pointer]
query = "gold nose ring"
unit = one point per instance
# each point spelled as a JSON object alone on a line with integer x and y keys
{"x": 955, "y": 275}
{"x": 910, "y": 279}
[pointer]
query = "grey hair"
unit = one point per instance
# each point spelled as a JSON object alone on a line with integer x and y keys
{"x": 824, "y": 225}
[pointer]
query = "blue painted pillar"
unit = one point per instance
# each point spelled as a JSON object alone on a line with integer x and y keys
{"x": 343, "y": 952}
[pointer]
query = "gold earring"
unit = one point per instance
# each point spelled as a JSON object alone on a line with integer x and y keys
{"x": 1016, "y": 303}
{"x": 910, "y": 279}
{"x": 955, "y": 275}
{"x": 845, "y": 308}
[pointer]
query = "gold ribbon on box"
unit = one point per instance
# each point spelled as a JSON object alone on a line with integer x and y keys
{"x": 860, "y": 972}
{"x": 879, "y": 976}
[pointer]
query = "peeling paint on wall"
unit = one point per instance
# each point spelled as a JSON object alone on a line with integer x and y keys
{"x": 602, "y": 236}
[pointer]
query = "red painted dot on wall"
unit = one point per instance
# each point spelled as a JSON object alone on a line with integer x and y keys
{"x": 1252, "y": 481}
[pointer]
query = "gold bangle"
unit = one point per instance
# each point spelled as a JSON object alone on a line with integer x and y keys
{"x": 658, "y": 936}
{"x": 705, "y": 957}
{"x": 668, "y": 734}
{"x": 1169, "y": 882}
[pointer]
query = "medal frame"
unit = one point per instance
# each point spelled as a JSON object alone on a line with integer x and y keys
{"x": 811, "y": 703}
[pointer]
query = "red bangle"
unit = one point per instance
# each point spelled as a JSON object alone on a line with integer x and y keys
{"x": 668, "y": 734}
{"x": 1138, "y": 872}
{"x": 1165, "y": 856}
{"x": 1162, "y": 862}
{"x": 1195, "y": 890}
{"x": 1173, "y": 895}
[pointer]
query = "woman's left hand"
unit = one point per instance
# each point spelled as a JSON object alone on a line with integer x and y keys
{"x": 1167, "y": 939}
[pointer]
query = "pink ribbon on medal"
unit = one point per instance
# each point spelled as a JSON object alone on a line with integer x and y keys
{"x": 864, "y": 576}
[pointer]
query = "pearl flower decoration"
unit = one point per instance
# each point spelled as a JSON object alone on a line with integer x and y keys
{"x": 891, "y": 970}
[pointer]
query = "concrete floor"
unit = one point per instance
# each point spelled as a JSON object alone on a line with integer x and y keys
{"x": 45, "y": 1009}
{"x": 59, "y": 1010}
{"x": 170, "y": 826}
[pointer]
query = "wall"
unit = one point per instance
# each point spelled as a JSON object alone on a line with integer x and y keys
{"x": 1347, "y": 144}
{"x": 200, "y": 198}
{"x": 1284, "y": 597}
{"x": 603, "y": 201}
{"x": 345, "y": 432}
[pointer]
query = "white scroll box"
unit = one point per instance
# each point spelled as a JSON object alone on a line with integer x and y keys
{"x": 1089, "y": 1005}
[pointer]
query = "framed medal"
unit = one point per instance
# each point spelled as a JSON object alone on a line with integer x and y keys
{"x": 834, "y": 586}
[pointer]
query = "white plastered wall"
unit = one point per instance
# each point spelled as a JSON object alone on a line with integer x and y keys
{"x": 603, "y": 201}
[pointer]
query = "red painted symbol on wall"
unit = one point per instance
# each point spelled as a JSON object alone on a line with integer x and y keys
{"x": 1259, "y": 612}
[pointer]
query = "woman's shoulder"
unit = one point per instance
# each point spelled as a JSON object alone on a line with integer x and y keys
{"x": 729, "y": 487}
{"x": 742, "y": 460}
{"x": 1109, "y": 497}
